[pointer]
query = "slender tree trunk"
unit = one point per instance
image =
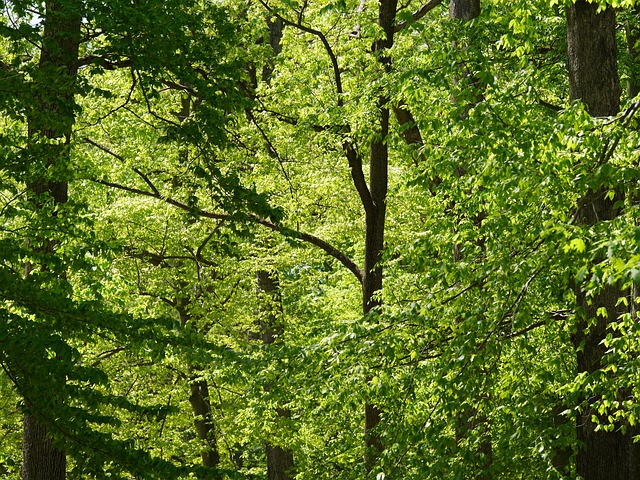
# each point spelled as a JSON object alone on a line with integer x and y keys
{"x": 593, "y": 79}
{"x": 280, "y": 464}
{"x": 204, "y": 424}
{"x": 375, "y": 213}
{"x": 200, "y": 402}
{"x": 52, "y": 117}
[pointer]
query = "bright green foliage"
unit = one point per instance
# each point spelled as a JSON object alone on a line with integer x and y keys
{"x": 201, "y": 154}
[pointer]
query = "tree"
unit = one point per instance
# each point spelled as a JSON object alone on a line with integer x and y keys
{"x": 470, "y": 212}
{"x": 51, "y": 118}
{"x": 593, "y": 79}
{"x": 46, "y": 80}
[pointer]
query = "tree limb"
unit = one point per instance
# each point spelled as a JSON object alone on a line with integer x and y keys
{"x": 306, "y": 237}
{"x": 418, "y": 14}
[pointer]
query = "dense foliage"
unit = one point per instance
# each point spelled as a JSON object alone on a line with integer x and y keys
{"x": 201, "y": 302}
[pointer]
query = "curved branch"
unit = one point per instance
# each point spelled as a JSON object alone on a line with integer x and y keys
{"x": 329, "y": 249}
{"x": 355, "y": 161}
{"x": 313, "y": 240}
{"x": 325, "y": 43}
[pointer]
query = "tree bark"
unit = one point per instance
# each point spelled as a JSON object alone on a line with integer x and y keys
{"x": 280, "y": 464}
{"x": 205, "y": 427}
{"x": 592, "y": 58}
{"x": 464, "y": 10}
{"x": 593, "y": 79}
{"x": 275, "y": 41}
{"x": 375, "y": 214}
{"x": 200, "y": 402}
{"x": 42, "y": 461}
{"x": 52, "y": 117}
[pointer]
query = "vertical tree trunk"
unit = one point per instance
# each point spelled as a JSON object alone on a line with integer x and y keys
{"x": 593, "y": 78}
{"x": 464, "y": 10}
{"x": 205, "y": 427}
{"x": 41, "y": 460}
{"x": 200, "y": 402}
{"x": 593, "y": 58}
{"x": 280, "y": 465}
{"x": 275, "y": 40}
{"x": 375, "y": 213}
{"x": 52, "y": 117}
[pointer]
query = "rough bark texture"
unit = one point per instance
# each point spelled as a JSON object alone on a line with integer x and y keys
{"x": 464, "y": 9}
{"x": 279, "y": 460}
{"x": 592, "y": 58}
{"x": 52, "y": 116}
{"x": 593, "y": 78}
{"x": 42, "y": 461}
{"x": 280, "y": 464}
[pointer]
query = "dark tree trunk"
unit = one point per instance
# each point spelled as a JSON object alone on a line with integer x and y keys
{"x": 52, "y": 116}
{"x": 606, "y": 455}
{"x": 205, "y": 427}
{"x": 375, "y": 213}
{"x": 280, "y": 465}
{"x": 464, "y": 9}
{"x": 280, "y": 460}
{"x": 593, "y": 78}
{"x": 200, "y": 401}
{"x": 42, "y": 461}
{"x": 275, "y": 40}
{"x": 592, "y": 58}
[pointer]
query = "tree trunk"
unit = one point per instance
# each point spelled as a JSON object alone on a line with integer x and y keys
{"x": 280, "y": 460}
{"x": 200, "y": 401}
{"x": 205, "y": 427}
{"x": 52, "y": 116}
{"x": 593, "y": 79}
{"x": 275, "y": 40}
{"x": 375, "y": 213}
{"x": 42, "y": 461}
{"x": 592, "y": 58}
{"x": 280, "y": 465}
{"x": 464, "y": 10}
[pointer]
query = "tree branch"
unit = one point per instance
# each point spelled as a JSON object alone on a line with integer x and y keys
{"x": 321, "y": 244}
{"x": 418, "y": 14}
{"x": 306, "y": 237}
{"x": 354, "y": 159}
{"x": 323, "y": 39}
{"x": 103, "y": 62}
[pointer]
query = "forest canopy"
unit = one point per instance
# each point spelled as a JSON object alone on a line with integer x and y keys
{"x": 301, "y": 239}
